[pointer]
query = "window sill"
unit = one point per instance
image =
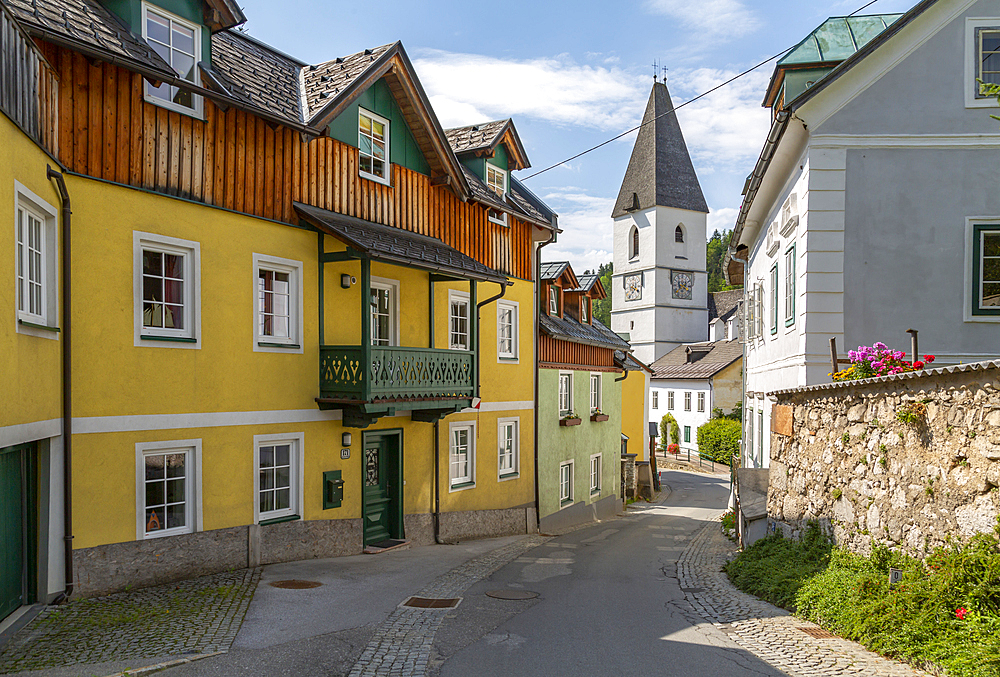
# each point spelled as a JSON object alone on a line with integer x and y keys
{"x": 509, "y": 360}
{"x": 172, "y": 339}
{"x": 565, "y": 503}
{"x": 278, "y": 520}
{"x": 508, "y": 476}
{"x": 42, "y": 327}
{"x": 595, "y": 492}
{"x": 197, "y": 112}
{"x": 462, "y": 485}
{"x": 290, "y": 346}
{"x": 376, "y": 179}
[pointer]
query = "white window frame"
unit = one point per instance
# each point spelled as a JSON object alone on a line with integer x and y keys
{"x": 513, "y": 471}
{"x": 293, "y": 343}
{"x": 192, "y": 492}
{"x": 565, "y": 496}
{"x": 656, "y": 399}
{"x": 501, "y": 218}
{"x": 701, "y": 401}
{"x": 790, "y": 285}
{"x": 388, "y": 158}
{"x": 468, "y": 481}
{"x": 197, "y": 110}
{"x": 392, "y": 286}
{"x": 670, "y": 400}
{"x": 972, "y": 288}
{"x": 565, "y": 377}
{"x": 503, "y": 356}
{"x": 28, "y": 202}
{"x": 972, "y": 60}
{"x": 687, "y": 400}
{"x": 553, "y": 300}
{"x": 296, "y": 502}
{"x": 584, "y": 304}
{"x": 595, "y": 394}
{"x": 749, "y": 437}
{"x": 595, "y": 477}
{"x": 190, "y": 336}
{"x": 460, "y": 298}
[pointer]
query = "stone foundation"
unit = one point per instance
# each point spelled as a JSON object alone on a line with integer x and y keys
{"x": 850, "y": 461}
{"x": 473, "y": 524}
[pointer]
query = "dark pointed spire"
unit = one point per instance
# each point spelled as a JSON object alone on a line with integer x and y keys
{"x": 660, "y": 172}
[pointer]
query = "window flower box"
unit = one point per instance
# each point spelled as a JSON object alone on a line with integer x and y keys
{"x": 597, "y": 417}
{"x": 571, "y": 419}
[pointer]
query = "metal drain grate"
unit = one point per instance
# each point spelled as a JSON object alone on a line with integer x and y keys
{"x": 818, "y": 633}
{"x": 692, "y": 589}
{"x": 432, "y": 602}
{"x": 512, "y": 594}
{"x": 294, "y": 584}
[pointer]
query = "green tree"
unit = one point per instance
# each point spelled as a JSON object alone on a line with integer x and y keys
{"x": 715, "y": 253}
{"x": 669, "y": 428}
{"x": 602, "y": 307}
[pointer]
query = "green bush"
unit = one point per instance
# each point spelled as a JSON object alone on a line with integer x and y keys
{"x": 669, "y": 428}
{"x": 719, "y": 440}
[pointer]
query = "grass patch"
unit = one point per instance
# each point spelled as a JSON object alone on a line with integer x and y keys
{"x": 946, "y": 610}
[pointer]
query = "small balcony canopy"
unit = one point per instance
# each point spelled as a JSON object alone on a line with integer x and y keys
{"x": 398, "y": 246}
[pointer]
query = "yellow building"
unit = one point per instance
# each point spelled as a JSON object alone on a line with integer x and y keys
{"x": 302, "y": 312}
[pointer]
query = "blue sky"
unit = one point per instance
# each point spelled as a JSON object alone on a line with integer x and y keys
{"x": 573, "y": 74}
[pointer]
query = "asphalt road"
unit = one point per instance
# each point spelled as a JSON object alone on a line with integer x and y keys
{"x": 605, "y": 602}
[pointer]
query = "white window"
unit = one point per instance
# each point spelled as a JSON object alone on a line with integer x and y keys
{"x": 687, "y": 401}
{"x": 496, "y": 179}
{"x": 553, "y": 300}
{"x": 35, "y": 266}
{"x": 789, "y": 216}
{"x": 595, "y": 474}
{"x": 565, "y": 483}
{"x": 749, "y": 435}
{"x": 278, "y": 292}
{"x": 982, "y": 59}
{"x": 565, "y": 392}
{"x": 373, "y": 146}
{"x": 179, "y": 43}
{"x": 385, "y": 312}
{"x": 167, "y": 295}
{"x": 278, "y": 464}
{"x": 790, "y": 286}
{"x": 508, "y": 451}
{"x": 595, "y": 393}
{"x": 584, "y": 305}
{"x": 458, "y": 320}
{"x": 701, "y": 401}
{"x": 774, "y": 298}
{"x": 507, "y": 330}
{"x": 167, "y": 488}
{"x": 751, "y": 314}
{"x": 462, "y": 449}
{"x": 656, "y": 399}
{"x": 670, "y": 400}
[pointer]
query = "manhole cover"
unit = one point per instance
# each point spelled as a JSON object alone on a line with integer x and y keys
{"x": 294, "y": 584}
{"x": 512, "y": 594}
{"x": 818, "y": 633}
{"x": 432, "y": 602}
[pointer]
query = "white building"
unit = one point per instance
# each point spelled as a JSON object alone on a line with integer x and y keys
{"x": 873, "y": 208}
{"x": 659, "y": 285}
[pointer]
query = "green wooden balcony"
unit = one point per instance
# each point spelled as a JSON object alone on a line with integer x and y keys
{"x": 375, "y": 379}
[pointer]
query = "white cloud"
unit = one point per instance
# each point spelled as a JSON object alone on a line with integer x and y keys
{"x": 587, "y": 241}
{"x": 469, "y": 88}
{"x": 714, "y": 17}
{"x": 721, "y": 219}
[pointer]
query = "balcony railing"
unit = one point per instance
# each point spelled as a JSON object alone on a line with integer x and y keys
{"x": 390, "y": 373}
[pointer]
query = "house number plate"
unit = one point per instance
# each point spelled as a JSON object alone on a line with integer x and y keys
{"x": 345, "y": 454}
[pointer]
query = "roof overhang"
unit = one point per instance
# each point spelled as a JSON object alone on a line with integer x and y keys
{"x": 223, "y": 14}
{"x": 397, "y": 246}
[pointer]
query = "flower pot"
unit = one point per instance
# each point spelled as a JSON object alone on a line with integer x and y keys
{"x": 569, "y": 421}
{"x": 597, "y": 418}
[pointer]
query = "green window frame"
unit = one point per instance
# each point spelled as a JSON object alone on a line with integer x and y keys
{"x": 760, "y": 434}
{"x": 986, "y": 270}
{"x": 774, "y": 298}
{"x": 790, "y": 286}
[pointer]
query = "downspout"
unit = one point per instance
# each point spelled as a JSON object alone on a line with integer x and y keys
{"x": 743, "y": 394}
{"x": 437, "y": 482}
{"x": 534, "y": 343}
{"x": 623, "y": 376}
{"x": 67, "y": 384}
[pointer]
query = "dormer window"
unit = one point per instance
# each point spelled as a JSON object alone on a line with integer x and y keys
{"x": 496, "y": 179}
{"x": 584, "y": 302}
{"x": 553, "y": 300}
{"x": 179, "y": 43}
{"x": 373, "y": 147}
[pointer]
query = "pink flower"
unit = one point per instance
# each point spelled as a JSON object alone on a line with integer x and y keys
{"x": 960, "y": 612}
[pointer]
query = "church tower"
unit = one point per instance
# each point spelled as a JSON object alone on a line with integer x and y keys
{"x": 660, "y": 283}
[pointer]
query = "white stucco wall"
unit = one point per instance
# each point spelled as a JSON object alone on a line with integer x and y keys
{"x": 693, "y": 418}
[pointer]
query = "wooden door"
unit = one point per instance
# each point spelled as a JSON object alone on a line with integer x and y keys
{"x": 383, "y": 498}
{"x": 13, "y": 528}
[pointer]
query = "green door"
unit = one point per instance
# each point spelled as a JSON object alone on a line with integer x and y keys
{"x": 15, "y": 520}
{"x": 382, "y": 485}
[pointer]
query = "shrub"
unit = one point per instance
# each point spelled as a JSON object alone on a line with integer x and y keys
{"x": 719, "y": 440}
{"x": 669, "y": 429}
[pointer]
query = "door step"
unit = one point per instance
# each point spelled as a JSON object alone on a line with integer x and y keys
{"x": 384, "y": 546}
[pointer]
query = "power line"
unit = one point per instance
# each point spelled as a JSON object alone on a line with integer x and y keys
{"x": 702, "y": 95}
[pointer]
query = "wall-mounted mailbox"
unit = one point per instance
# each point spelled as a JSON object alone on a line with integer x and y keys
{"x": 333, "y": 489}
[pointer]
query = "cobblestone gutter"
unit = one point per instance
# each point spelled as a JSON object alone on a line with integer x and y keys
{"x": 906, "y": 462}
{"x": 197, "y": 616}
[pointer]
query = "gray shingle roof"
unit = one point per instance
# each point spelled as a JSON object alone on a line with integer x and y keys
{"x": 724, "y": 304}
{"x": 398, "y": 246}
{"x": 327, "y": 80}
{"x": 528, "y": 200}
{"x": 586, "y": 281}
{"x": 717, "y": 356}
{"x": 89, "y": 24}
{"x": 475, "y": 137}
{"x": 569, "y": 329}
{"x": 660, "y": 172}
{"x": 552, "y": 271}
{"x": 257, "y": 75}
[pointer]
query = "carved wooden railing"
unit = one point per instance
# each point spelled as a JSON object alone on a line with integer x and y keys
{"x": 29, "y": 88}
{"x": 367, "y": 373}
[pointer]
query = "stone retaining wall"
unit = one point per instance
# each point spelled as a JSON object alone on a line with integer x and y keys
{"x": 851, "y": 462}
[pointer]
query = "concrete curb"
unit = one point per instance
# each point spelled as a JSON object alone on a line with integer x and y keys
{"x": 149, "y": 669}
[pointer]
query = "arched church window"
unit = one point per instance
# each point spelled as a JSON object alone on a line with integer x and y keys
{"x": 679, "y": 234}
{"x": 635, "y": 243}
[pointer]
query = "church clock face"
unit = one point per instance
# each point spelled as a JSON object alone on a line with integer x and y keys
{"x": 633, "y": 287}
{"x": 681, "y": 284}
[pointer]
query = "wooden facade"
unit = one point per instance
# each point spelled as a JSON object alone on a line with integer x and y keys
{"x": 28, "y": 85}
{"x": 560, "y": 354}
{"x": 235, "y": 160}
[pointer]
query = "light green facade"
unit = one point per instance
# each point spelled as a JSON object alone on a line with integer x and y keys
{"x": 558, "y": 444}
{"x": 478, "y": 164}
{"x": 130, "y": 11}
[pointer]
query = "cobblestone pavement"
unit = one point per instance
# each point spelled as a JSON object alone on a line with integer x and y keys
{"x": 768, "y": 632}
{"x": 198, "y": 616}
{"x": 401, "y": 646}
